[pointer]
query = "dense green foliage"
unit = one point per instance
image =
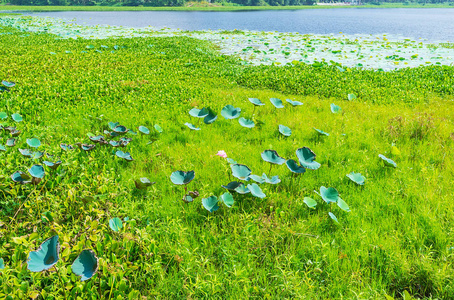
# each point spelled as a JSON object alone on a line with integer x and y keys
{"x": 397, "y": 238}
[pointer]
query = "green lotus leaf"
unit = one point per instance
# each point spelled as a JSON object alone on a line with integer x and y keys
{"x": 342, "y": 204}
{"x": 2, "y": 264}
{"x": 16, "y": 117}
{"x": 158, "y": 128}
{"x": 256, "y": 101}
{"x": 210, "y": 118}
{"x": 9, "y": 84}
{"x": 2, "y": 148}
{"x": 388, "y": 162}
{"x": 307, "y": 158}
{"x": 66, "y": 147}
{"x": 335, "y": 109}
{"x": 20, "y": 177}
{"x": 120, "y": 129}
{"x": 182, "y": 177}
{"x": 257, "y": 178}
{"x": 37, "y": 171}
{"x": 192, "y": 127}
{"x": 144, "y": 130}
{"x": 11, "y": 142}
{"x": 242, "y": 189}
{"x": 86, "y": 147}
{"x": 210, "y": 203}
{"x": 246, "y": 123}
{"x": 357, "y": 178}
{"x": 124, "y": 141}
{"x": 3, "y": 116}
{"x": 34, "y": 142}
{"x": 231, "y": 161}
{"x": 37, "y": 155}
{"x": 294, "y": 103}
{"x": 125, "y": 155}
{"x": 294, "y": 167}
{"x": 351, "y": 97}
{"x": 115, "y": 224}
{"x": 311, "y": 203}
{"x": 199, "y": 113}
{"x": 188, "y": 198}
{"x": 143, "y": 183}
{"x": 271, "y": 156}
{"x": 329, "y": 194}
{"x": 114, "y": 143}
{"x": 45, "y": 257}
{"x": 25, "y": 152}
{"x": 85, "y": 265}
{"x": 241, "y": 172}
{"x": 231, "y": 186}
{"x": 230, "y": 112}
{"x": 284, "y": 130}
{"x": 98, "y": 139}
{"x": 321, "y": 132}
{"x": 227, "y": 198}
{"x": 131, "y": 132}
{"x": 277, "y": 102}
{"x": 332, "y": 216}
{"x": 112, "y": 125}
{"x": 273, "y": 180}
{"x": 52, "y": 165}
{"x": 255, "y": 190}
{"x": 111, "y": 134}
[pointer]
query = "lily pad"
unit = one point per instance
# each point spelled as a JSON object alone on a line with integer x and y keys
{"x": 16, "y": 117}
{"x": 306, "y": 158}
{"x": 241, "y": 172}
{"x": 335, "y": 109}
{"x": 87, "y": 147}
{"x": 125, "y": 155}
{"x": 329, "y": 194}
{"x": 321, "y": 132}
{"x": 115, "y": 224}
{"x": 199, "y": 113}
{"x": 37, "y": 155}
{"x": 45, "y": 257}
{"x": 143, "y": 183}
{"x": 37, "y": 171}
{"x": 34, "y": 142}
{"x": 294, "y": 103}
{"x": 294, "y": 167}
{"x": 357, "y": 178}
{"x": 85, "y": 265}
{"x": 388, "y": 162}
{"x": 124, "y": 141}
{"x": 9, "y": 84}
{"x": 188, "y": 198}
{"x": 114, "y": 143}
{"x": 273, "y": 180}
{"x": 231, "y": 186}
{"x": 230, "y": 112}
{"x": 211, "y": 203}
{"x": 256, "y": 101}
{"x": 271, "y": 156}
{"x": 192, "y": 127}
{"x": 182, "y": 177}
{"x": 246, "y": 122}
{"x": 227, "y": 198}
{"x": 277, "y": 102}
{"x": 255, "y": 190}
{"x": 284, "y": 130}
{"x": 98, "y": 139}
{"x": 311, "y": 203}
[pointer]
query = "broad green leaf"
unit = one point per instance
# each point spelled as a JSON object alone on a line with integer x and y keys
{"x": 115, "y": 224}
{"x": 199, "y": 113}
{"x": 329, "y": 194}
{"x": 284, "y": 130}
{"x": 388, "y": 162}
{"x": 273, "y": 180}
{"x": 242, "y": 189}
{"x": 257, "y": 178}
{"x": 3, "y": 116}
{"x": 37, "y": 171}
{"x": 351, "y": 97}
{"x": 144, "y": 130}
{"x": 45, "y": 257}
{"x": 294, "y": 167}
{"x": 241, "y": 172}
{"x": 311, "y": 203}
{"x": 271, "y": 156}
{"x": 158, "y": 128}
{"x": 227, "y": 198}
{"x": 231, "y": 186}
{"x": 230, "y": 112}
{"x": 125, "y": 155}
{"x": 210, "y": 118}
{"x": 256, "y": 101}
{"x": 332, "y": 216}
{"x": 9, "y": 84}
{"x": 321, "y": 132}
{"x": 342, "y": 204}
{"x": 335, "y": 109}
{"x": 357, "y": 178}
{"x": 306, "y": 158}
{"x": 85, "y": 265}
{"x": 16, "y": 117}
{"x": 246, "y": 122}
{"x": 190, "y": 126}
{"x": 294, "y": 103}
{"x": 182, "y": 177}
{"x": 255, "y": 190}
{"x": 277, "y": 102}
{"x": 34, "y": 142}
{"x": 210, "y": 203}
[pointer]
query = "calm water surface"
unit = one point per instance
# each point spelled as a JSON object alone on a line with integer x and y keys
{"x": 432, "y": 24}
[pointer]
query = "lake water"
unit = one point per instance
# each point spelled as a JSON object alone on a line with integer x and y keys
{"x": 432, "y": 24}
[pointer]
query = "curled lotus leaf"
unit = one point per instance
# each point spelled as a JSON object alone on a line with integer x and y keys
{"x": 66, "y": 147}
{"x": 230, "y": 112}
{"x": 277, "y": 102}
{"x": 37, "y": 171}
{"x": 16, "y": 117}
{"x": 231, "y": 186}
{"x": 227, "y": 198}
{"x": 242, "y": 189}
{"x": 188, "y": 198}
{"x": 52, "y": 165}
{"x": 124, "y": 141}
{"x": 335, "y": 109}
{"x": 241, "y": 172}
{"x": 311, "y": 203}
{"x": 37, "y": 155}
{"x": 15, "y": 132}
{"x": 25, "y": 152}
{"x": 10, "y": 128}
{"x": 333, "y": 217}
{"x": 20, "y": 177}
{"x": 257, "y": 178}
{"x": 8, "y": 84}
{"x": 388, "y": 162}
{"x": 34, "y": 142}
{"x": 343, "y": 205}
{"x": 112, "y": 125}
{"x": 158, "y": 128}
{"x": 256, "y": 191}
{"x": 3, "y": 116}
{"x": 321, "y": 132}
{"x": 199, "y": 113}
{"x": 182, "y": 177}
{"x": 306, "y": 158}
{"x": 143, "y": 183}
{"x": 115, "y": 224}
{"x": 256, "y": 101}
{"x": 11, "y": 142}
{"x": 114, "y": 143}
{"x": 211, "y": 117}
{"x": 120, "y": 129}
{"x": 271, "y": 156}
{"x": 111, "y": 134}
{"x": 273, "y": 180}
{"x": 144, "y": 130}
{"x": 191, "y": 126}
{"x": 357, "y": 178}
{"x": 45, "y": 257}
{"x": 85, "y": 265}
{"x": 98, "y": 139}
{"x": 294, "y": 103}
{"x": 210, "y": 203}
{"x": 2, "y": 264}
{"x": 329, "y": 194}
{"x": 86, "y": 147}
{"x": 294, "y": 167}
{"x": 246, "y": 122}
{"x": 125, "y": 155}
{"x": 284, "y": 130}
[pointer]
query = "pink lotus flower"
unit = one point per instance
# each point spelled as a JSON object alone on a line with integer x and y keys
{"x": 222, "y": 153}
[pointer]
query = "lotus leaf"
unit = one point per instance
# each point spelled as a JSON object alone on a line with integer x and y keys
{"x": 114, "y": 143}
{"x": 257, "y": 178}
{"x": 256, "y": 101}
{"x": 120, "y": 129}
{"x": 112, "y": 125}
{"x": 125, "y": 155}
{"x": 3, "y": 89}
{"x": 388, "y": 162}
{"x": 158, "y": 128}
{"x": 227, "y": 198}
{"x": 343, "y": 205}
{"x": 231, "y": 186}
{"x": 230, "y": 112}
{"x": 86, "y": 147}
{"x": 255, "y": 190}
{"x": 294, "y": 103}
{"x": 182, "y": 177}
{"x": 143, "y": 183}
{"x": 211, "y": 203}
{"x": 188, "y": 198}
{"x": 9, "y": 84}
{"x": 321, "y": 132}
{"x": 15, "y": 132}
{"x": 115, "y": 224}
{"x": 246, "y": 123}
{"x": 284, "y": 130}
{"x": 2, "y": 148}
{"x": 231, "y": 161}
{"x": 3, "y": 116}
{"x": 11, "y": 142}
{"x": 241, "y": 172}
{"x": 2, "y": 264}
{"x": 25, "y": 152}
{"x": 210, "y": 118}
{"x": 124, "y": 141}
{"x": 37, "y": 155}
{"x": 351, "y": 97}
{"x": 16, "y": 117}
{"x": 271, "y": 156}
{"x": 34, "y": 142}
{"x": 357, "y": 178}
{"x": 273, "y": 180}
{"x": 20, "y": 177}
{"x": 45, "y": 257}
{"x": 332, "y": 216}
{"x": 98, "y": 139}
{"x": 52, "y": 165}
{"x": 329, "y": 194}
{"x": 294, "y": 167}
{"x": 277, "y": 102}
{"x": 242, "y": 189}
{"x": 199, "y": 113}
{"x": 144, "y": 130}
{"x": 66, "y": 147}
{"x": 311, "y": 203}
{"x": 335, "y": 109}
{"x": 85, "y": 265}
{"x": 307, "y": 158}
{"x": 192, "y": 127}
{"x": 37, "y": 171}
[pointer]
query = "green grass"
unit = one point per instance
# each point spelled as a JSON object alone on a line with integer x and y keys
{"x": 398, "y": 236}
{"x": 207, "y": 8}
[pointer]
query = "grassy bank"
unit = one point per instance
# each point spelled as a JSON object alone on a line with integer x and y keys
{"x": 397, "y": 238}
{"x": 207, "y": 8}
